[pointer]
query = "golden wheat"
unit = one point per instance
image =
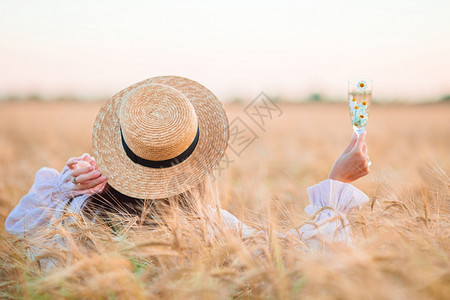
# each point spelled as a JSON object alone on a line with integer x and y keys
{"x": 401, "y": 239}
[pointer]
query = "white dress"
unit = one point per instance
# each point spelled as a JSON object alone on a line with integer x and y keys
{"x": 331, "y": 201}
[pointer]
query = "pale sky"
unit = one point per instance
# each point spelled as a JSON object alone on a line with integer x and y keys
{"x": 235, "y": 48}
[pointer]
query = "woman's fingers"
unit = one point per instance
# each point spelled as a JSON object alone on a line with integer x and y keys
{"x": 81, "y": 168}
{"x": 365, "y": 152}
{"x": 352, "y": 143}
{"x": 364, "y": 166}
{"x": 98, "y": 188}
{"x": 354, "y": 164}
{"x": 86, "y": 157}
{"x": 360, "y": 159}
{"x": 79, "y": 171}
{"x": 87, "y": 176}
{"x": 72, "y": 162}
{"x": 364, "y": 149}
{"x": 360, "y": 141}
{"x": 91, "y": 183}
{"x": 94, "y": 163}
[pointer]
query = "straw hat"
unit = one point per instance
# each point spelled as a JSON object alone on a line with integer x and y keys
{"x": 160, "y": 137}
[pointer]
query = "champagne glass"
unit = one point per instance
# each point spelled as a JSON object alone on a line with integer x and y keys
{"x": 359, "y": 100}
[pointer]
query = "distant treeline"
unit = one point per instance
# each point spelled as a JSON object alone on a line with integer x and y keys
{"x": 41, "y": 98}
{"x": 318, "y": 98}
{"x": 312, "y": 98}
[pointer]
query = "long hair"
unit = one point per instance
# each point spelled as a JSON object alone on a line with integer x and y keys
{"x": 111, "y": 204}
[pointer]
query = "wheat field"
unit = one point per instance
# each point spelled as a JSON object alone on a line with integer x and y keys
{"x": 401, "y": 238}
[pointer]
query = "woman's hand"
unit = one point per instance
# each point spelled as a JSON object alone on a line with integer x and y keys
{"x": 353, "y": 163}
{"x": 85, "y": 178}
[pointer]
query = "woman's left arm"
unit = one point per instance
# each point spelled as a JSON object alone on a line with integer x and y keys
{"x": 331, "y": 202}
{"x": 52, "y": 192}
{"x": 333, "y": 199}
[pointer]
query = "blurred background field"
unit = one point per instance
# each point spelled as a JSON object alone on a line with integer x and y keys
{"x": 402, "y": 236}
{"x": 293, "y": 151}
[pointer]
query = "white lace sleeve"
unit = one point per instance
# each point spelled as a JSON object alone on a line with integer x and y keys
{"x": 234, "y": 223}
{"x": 331, "y": 201}
{"x": 44, "y": 203}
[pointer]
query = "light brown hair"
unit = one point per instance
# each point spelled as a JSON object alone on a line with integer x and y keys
{"x": 110, "y": 204}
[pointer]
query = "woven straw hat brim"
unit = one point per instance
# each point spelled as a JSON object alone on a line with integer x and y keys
{"x": 142, "y": 182}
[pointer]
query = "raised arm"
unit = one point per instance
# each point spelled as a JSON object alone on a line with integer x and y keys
{"x": 330, "y": 201}
{"x": 51, "y": 192}
{"x": 353, "y": 162}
